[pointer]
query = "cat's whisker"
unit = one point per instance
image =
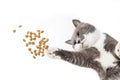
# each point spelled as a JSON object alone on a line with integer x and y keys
{"x": 83, "y": 41}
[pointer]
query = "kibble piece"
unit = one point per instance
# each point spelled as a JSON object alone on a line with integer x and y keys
{"x": 29, "y": 43}
{"x": 35, "y": 54}
{"x": 14, "y": 31}
{"x": 26, "y": 44}
{"x": 28, "y": 32}
{"x": 29, "y": 49}
{"x": 38, "y": 30}
{"x": 35, "y": 51}
{"x": 41, "y": 31}
{"x": 40, "y": 41}
{"x": 38, "y": 47}
{"x": 34, "y": 57}
{"x": 20, "y": 26}
{"x": 46, "y": 46}
{"x": 26, "y": 36}
{"x": 33, "y": 43}
{"x": 24, "y": 40}
{"x": 31, "y": 52}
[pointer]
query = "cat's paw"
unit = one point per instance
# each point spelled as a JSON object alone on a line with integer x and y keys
{"x": 51, "y": 53}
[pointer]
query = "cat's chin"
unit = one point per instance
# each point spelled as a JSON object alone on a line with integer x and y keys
{"x": 78, "y": 47}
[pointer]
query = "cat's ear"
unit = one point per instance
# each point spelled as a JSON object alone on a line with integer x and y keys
{"x": 68, "y": 42}
{"x": 76, "y": 22}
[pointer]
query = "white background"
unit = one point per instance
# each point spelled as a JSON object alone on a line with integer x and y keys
{"x": 55, "y": 17}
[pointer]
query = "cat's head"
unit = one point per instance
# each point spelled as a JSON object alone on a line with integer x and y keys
{"x": 84, "y": 35}
{"x": 117, "y": 49}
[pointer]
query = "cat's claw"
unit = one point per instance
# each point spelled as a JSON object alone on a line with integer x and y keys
{"x": 51, "y": 53}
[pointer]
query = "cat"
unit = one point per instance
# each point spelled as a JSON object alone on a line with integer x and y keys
{"x": 94, "y": 49}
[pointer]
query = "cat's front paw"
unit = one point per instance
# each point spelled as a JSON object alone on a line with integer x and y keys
{"x": 51, "y": 53}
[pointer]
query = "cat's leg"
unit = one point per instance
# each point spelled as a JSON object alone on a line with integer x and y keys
{"x": 64, "y": 55}
{"x": 77, "y": 58}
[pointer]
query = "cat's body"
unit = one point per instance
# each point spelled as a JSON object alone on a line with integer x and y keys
{"x": 94, "y": 50}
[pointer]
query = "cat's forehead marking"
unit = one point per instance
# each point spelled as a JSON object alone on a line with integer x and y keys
{"x": 85, "y": 28}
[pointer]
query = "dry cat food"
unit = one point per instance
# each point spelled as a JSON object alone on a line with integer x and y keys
{"x": 35, "y": 43}
{"x": 14, "y": 30}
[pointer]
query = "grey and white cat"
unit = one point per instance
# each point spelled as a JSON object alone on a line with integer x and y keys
{"x": 95, "y": 50}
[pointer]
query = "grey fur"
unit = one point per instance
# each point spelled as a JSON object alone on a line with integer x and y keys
{"x": 84, "y": 58}
{"x": 110, "y": 43}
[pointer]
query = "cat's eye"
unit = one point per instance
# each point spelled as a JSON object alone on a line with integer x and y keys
{"x": 78, "y": 34}
{"x": 78, "y": 41}
{"x": 74, "y": 42}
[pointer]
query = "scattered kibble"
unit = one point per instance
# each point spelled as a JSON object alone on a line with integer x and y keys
{"x": 14, "y": 30}
{"x": 34, "y": 39}
{"x": 35, "y": 43}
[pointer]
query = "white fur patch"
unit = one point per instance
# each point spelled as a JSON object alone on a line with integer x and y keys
{"x": 106, "y": 58}
{"x": 92, "y": 38}
{"x": 50, "y": 53}
{"x": 78, "y": 47}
